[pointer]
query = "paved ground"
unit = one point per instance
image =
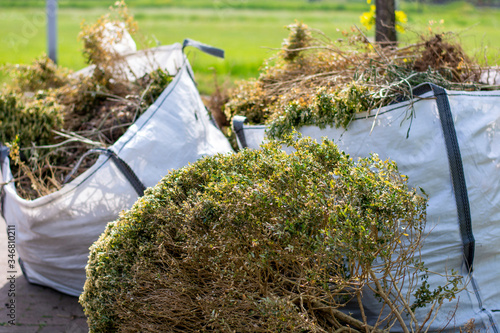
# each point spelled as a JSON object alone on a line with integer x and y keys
{"x": 37, "y": 309}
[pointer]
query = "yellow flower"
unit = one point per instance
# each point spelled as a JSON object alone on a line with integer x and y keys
{"x": 401, "y": 19}
{"x": 367, "y": 19}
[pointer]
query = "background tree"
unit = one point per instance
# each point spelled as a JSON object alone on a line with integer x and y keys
{"x": 385, "y": 22}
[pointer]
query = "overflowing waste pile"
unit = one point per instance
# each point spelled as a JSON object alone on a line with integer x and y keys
{"x": 49, "y": 117}
{"x": 428, "y": 107}
{"x": 84, "y": 146}
{"x": 314, "y": 80}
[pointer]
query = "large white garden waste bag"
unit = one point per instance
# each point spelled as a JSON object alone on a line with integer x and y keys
{"x": 54, "y": 232}
{"x": 450, "y": 147}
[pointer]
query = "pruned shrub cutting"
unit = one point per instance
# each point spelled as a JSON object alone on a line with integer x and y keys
{"x": 265, "y": 241}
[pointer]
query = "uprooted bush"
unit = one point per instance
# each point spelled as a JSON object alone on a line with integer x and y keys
{"x": 263, "y": 241}
{"x": 314, "y": 80}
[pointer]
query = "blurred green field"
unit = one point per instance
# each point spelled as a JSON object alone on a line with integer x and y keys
{"x": 247, "y": 30}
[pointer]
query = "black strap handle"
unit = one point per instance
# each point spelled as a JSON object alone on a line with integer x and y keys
{"x": 456, "y": 169}
{"x": 124, "y": 168}
{"x": 238, "y": 122}
{"x": 203, "y": 47}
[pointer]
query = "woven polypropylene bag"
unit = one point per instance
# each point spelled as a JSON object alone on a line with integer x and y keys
{"x": 448, "y": 143}
{"x": 54, "y": 232}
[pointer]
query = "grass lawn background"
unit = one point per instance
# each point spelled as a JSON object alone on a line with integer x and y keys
{"x": 246, "y": 30}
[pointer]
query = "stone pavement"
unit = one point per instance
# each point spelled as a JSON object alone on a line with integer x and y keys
{"x": 37, "y": 309}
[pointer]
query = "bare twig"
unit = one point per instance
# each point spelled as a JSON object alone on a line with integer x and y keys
{"x": 385, "y": 297}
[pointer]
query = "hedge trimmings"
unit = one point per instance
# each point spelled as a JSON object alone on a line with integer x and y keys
{"x": 352, "y": 75}
{"x": 260, "y": 241}
{"x": 49, "y": 118}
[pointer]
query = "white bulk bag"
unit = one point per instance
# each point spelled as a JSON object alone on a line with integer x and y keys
{"x": 54, "y": 232}
{"x": 136, "y": 64}
{"x": 453, "y": 152}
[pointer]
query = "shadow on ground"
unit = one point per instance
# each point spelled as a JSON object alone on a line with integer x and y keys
{"x": 39, "y": 309}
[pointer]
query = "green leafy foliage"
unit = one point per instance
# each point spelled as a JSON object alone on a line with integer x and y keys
{"x": 424, "y": 295}
{"x": 259, "y": 241}
{"x": 42, "y": 74}
{"x": 336, "y": 108}
{"x": 298, "y": 39}
{"x": 31, "y": 122}
{"x": 250, "y": 100}
{"x": 154, "y": 83}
